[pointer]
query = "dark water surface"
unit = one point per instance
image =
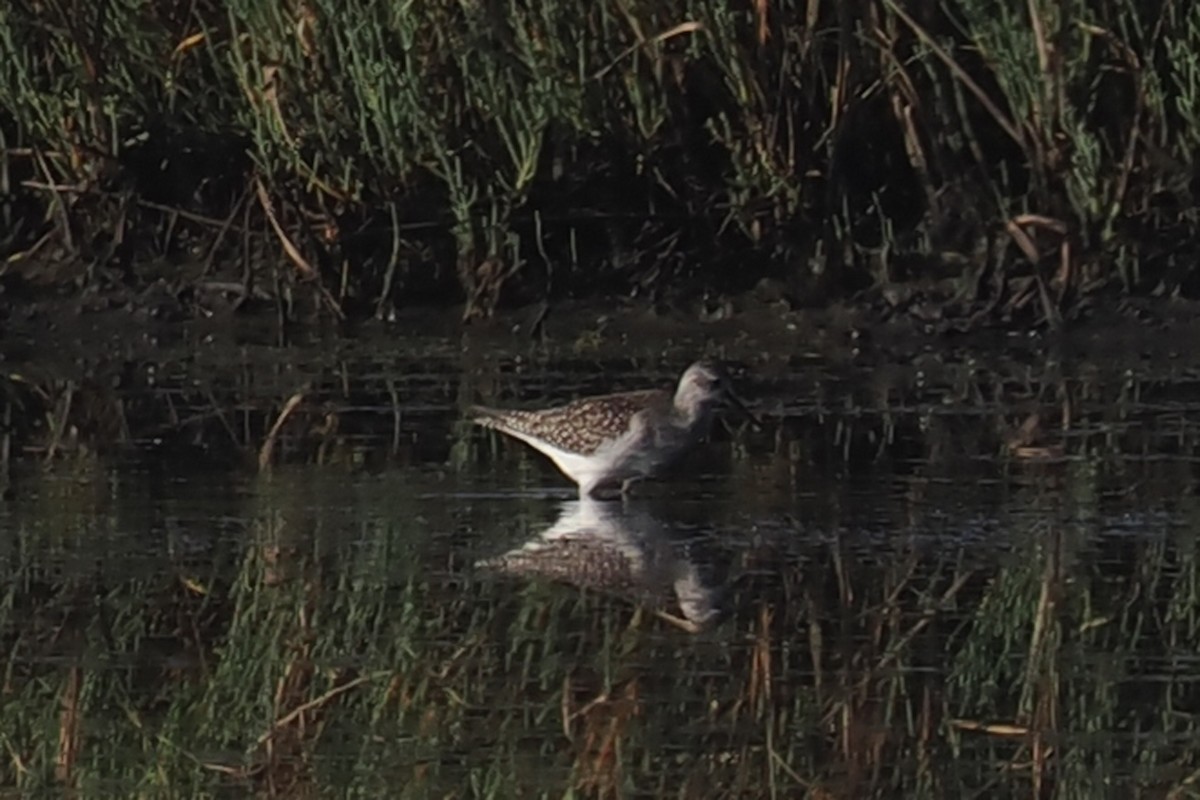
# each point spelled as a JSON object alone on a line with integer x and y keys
{"x": 952, "y": 573}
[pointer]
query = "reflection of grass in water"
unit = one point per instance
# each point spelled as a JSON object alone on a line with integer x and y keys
{"x": 1067, "y": 665}
{"x": 1096, "y": 644}
{"x": 373, "y": 667}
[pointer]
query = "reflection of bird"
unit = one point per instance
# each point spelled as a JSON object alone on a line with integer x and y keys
{"x": 608, "y": 548}
{"x": 615, "y": 439}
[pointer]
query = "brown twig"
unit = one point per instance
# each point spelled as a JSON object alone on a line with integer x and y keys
{"x": 297, "y": 258}
{"x": 303, "y": 266}
{"x": 310, "y": 705}
{"x": 268, "y": 446}
{"x": 681, "y": 28}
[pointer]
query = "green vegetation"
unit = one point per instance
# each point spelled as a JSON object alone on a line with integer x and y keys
{"x": 385, "y": 154}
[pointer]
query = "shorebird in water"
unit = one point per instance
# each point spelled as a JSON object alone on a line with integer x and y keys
{"x": 615, "y": 439}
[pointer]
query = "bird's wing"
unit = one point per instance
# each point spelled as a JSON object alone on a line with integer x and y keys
{"x": 579, "y": 427}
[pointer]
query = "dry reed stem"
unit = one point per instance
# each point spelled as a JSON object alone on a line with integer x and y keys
{"x": 845, "y": 589}
{"x": 302, "y": 264}
{"x": 762, "y": 30}
{"x": 1066, "y": 269}
{"x": 59, "y": 205}
{"x": 1041, "y": 221}
{"x": 242, "y": 772}
{"x": 1049, "y": 308}
{"x": 816, "y": 647}
{"x": 678, "y": 30}
{"x": 995, "y": 729}
{"x": 268, "y": 446}
{"x": 959, "y": 73}
{"x": 786, "y": 767}
{"x": 1016, "y": 229}
{"x": 187, "y": 43}
{"x": 599, "y": 699}
{"x": 601, "y": 773}
{"x": 317, "y": 702}
{"x": 1023, "y": 241}
{"x": 927, "y": 734}
{"x": 58, "y": 423}
{"x": 1042, "y": 120}
{"x": 1040, "y": 677}
{"x": 564, "y": 708}
{"x": 68, "y": 727}
{"x": 759, "y": 688}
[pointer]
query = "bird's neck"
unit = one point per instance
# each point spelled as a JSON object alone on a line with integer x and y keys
{"x": 692, "y": 413}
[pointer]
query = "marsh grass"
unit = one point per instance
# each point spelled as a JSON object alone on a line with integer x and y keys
{"x": 399, "y": 152}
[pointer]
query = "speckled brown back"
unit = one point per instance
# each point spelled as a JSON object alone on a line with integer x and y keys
{"x": 581, "y": 560}
{"x": 578, "y": 427}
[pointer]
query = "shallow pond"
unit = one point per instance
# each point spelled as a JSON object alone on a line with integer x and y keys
{"x": 954, "y": 572}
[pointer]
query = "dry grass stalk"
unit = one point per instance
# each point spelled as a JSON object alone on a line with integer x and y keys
{"x": 68, "y": 727}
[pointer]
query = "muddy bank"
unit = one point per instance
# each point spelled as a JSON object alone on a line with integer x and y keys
{"x": 750, "y": 327}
